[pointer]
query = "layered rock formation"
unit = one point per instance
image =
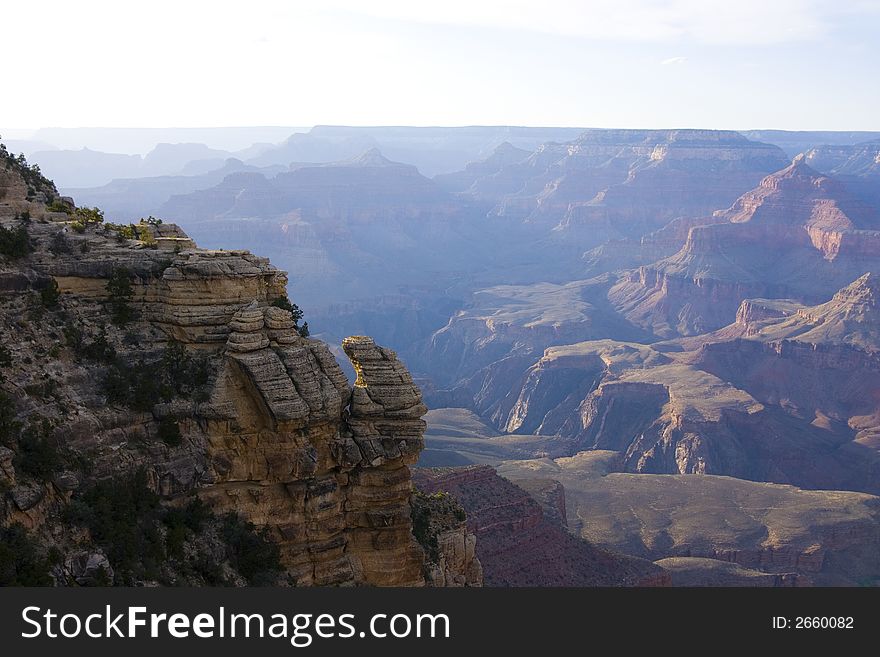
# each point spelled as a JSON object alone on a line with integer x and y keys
{"x": 271, "y": 430}
{"x": 700, "y": 571}
{"x": 799, "y": 234}
{"x": 621, "y": 181}
{"x": 128, "y": 199}
{"x": 521, "y": 320}
{"x": 783, "y": 411}
{"x": 348, "y": 230}
{"x": 518, "y": 546}
{"x": 483, "y": 179}
{"x": 365, "y": 188}
{"x": 823, "y": 537}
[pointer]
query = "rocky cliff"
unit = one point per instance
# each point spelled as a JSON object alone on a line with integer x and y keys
{"x": 128, "y": 353}
{"x": 623, "y": 181}
{"x": 519, "y": 546}
{"x": 799, "y": 234}
{"x": 821, "y": 536}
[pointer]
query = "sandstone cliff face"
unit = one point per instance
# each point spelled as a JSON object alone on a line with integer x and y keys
{"x": 275, "y": 433}
{"x": 795, "y": 221}
{"x": 509, "y": 321}
{"x": 788, "y": 412}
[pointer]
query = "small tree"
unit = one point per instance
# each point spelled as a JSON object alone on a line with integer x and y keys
{"x": 22, "y": 560}
{"x": 15, "y": 242}
{"x": 169, "y": 431}
{"x": 9, "y": 426}
{"x": 89, "y": 215}
{"x": 39, "y": 454}
{"x": 50, "y": 295}
{"x": 285, "y": 304}
{"x": 120, "y": 292}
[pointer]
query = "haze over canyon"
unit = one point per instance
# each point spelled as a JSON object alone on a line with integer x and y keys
{"x": 601, "y": 356}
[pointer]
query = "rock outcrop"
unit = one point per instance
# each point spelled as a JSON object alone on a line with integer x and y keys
{"x": 270, "y": 430}
{"x": 618, "y": 182}
{"x": 796, "y": 221}
{"x": 518, "y": 546}
{"x": 782, "y": 411}
{"x": 699, "y": 571}
{"x": 825, "y": 537}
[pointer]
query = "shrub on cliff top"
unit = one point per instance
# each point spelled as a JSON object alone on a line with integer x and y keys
{"x": 85, "y": 217}
{"x": 89, "y": 216}
{"x": 59, "y": 206}
{"x": 285, "y": 304}
{"x": 432, "y": 514}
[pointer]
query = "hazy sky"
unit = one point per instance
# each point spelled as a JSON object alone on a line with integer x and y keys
{"x": 795, "y": 64}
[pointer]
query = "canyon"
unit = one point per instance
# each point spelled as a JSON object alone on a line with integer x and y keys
{"x": 650, "y": 356}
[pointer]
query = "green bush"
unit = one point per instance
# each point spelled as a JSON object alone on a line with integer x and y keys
{"x": 98, "y": 350}
{"x": 139, "y": 231}
{"x": 22, "y": 561}
{"x": 39, "y": 454}
{"x": 250, "y": 552}
{"x": 85, "y": 217}
{"x": 169, "y": 431}
{"x": 145, "y": 540}
{"x": 15, "y": 242}
{"x": 9, "y": 426}
{"x": 285, "y": 304}
{"x": 144, "y": 384}
{"x": 121, "y": 515}
{"x": 433, "y": 514}
{"x": 59, "y": 206}
{"x": 182, "y": 523}
{"x": 88, "y": 216}
{"x": 50, "y": 295}
{"x": 123, "y": 231}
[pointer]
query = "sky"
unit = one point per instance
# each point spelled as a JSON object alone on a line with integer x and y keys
{"x": 738, "y": 64}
